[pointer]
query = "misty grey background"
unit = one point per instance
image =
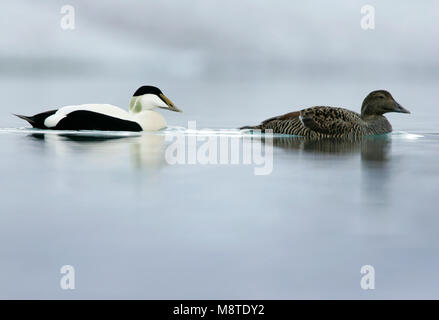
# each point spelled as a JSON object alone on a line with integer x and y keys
{"x": 135, "y": 227}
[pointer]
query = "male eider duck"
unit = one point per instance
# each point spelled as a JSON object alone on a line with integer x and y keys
{"x": 140, "y": 117}
{"x": 333, "y": 122}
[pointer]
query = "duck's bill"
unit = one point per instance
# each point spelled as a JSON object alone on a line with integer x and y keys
{"x": 399, "y": 108}
{"x": 169, "y": 103}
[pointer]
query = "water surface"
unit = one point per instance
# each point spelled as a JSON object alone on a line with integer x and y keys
{"x": 135, "y": 226}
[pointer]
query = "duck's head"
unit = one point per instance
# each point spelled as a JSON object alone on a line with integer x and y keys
{"x": 379, "y": 102}
{"x": 149, "y": 97}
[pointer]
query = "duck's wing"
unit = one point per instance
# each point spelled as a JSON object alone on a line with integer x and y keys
{"x": 314, "y": 121}
{"x": 329, "y": 120}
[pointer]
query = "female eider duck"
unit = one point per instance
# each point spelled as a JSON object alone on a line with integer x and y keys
{"x": 141, "y": 115}
{"x": 332, "y": 122}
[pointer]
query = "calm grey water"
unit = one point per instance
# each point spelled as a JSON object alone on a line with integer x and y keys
{"x": 134, "y": 226}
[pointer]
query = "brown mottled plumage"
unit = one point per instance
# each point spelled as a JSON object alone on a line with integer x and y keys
{"x": 331, "y": 122}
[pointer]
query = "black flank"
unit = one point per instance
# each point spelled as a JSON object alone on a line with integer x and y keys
{"x": 89, "y": 120}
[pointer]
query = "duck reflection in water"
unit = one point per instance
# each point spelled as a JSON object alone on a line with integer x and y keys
{"x": 372, "y": 148}
{"x": 375, "y": 159}
{"x": 148, "y": 150}
{"x": 144, "y": 150}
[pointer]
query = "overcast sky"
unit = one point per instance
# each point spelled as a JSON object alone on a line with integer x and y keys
{"x": 209, "y": 39}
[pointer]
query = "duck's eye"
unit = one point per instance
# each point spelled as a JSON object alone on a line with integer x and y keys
{"x": 381, "y": 97}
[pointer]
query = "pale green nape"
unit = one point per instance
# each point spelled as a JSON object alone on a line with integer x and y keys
{"x": 135, "y": 106}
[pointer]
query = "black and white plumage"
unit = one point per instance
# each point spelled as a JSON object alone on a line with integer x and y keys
{"x": 140, "y": 117}
{"x": 333, "y": 122}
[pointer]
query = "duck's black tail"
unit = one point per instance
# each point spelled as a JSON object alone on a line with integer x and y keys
{"x": 31, "y": 120}
{"x": 37, "y": 121}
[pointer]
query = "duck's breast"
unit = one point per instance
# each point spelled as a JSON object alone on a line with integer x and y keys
{"x": 378, "y": 125}
{"x": 150, "y": 120}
